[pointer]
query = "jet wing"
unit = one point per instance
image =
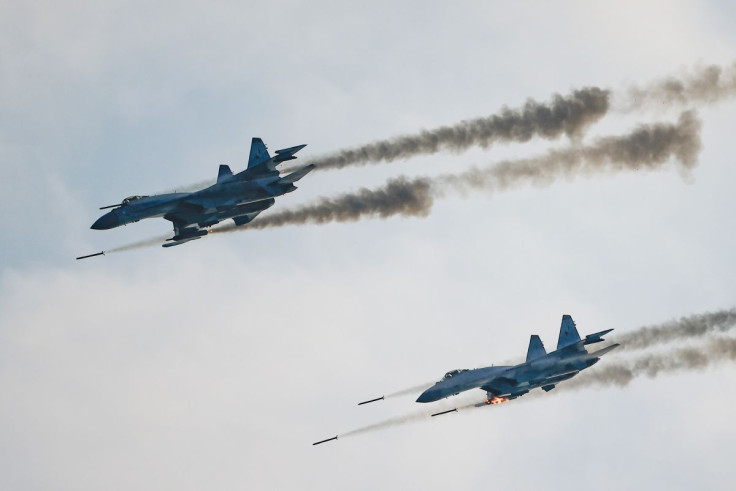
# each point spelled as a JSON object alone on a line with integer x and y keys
{"x": 501, "y": 385}
{"x": 185, "y": 213}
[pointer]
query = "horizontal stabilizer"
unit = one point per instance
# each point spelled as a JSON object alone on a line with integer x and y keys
{"x": 287, "y": 154}
{"x": 601, "y": 352}
{"x": 596, "y": 337}
{"x": 295, "y": 176}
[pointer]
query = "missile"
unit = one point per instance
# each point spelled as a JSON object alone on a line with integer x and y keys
{"x": 101, "y": 253}
{"x": 372, "y": 400}
{"x": 323, "y": 441}
{"x": 444, "y": 412}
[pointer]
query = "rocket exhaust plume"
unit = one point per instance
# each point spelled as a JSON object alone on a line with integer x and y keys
{"x": 410, "y": 390}
{"x": 153, "y": 241}
{"x": 401, "y": 196}
{"x": 703, "y": 85}
{"x": 569, "y": 115}
{"x": 686, "y": 327}
{"x": 403, "y": 419}
{"x": 716, "y": 350}
{"x": 647, "y": 147}
{"x": 399, "y": 393}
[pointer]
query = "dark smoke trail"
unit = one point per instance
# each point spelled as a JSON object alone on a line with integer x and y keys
{"x": 621, "y": 373}
{"x": 703, "y": 85}
{"x": 569, "y": 115}
{"x": 647, "y": 147}
{"x": 686, "y": 327}
{"x": 401, "y": 196}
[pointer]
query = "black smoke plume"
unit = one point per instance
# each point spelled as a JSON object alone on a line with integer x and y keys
{"x": 569, "y": 115}
{"x": 646, "y": 148}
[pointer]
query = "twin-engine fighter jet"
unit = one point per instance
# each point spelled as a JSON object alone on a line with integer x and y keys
{"x": 541, "y": 369}
{"x": 240, "y": 196}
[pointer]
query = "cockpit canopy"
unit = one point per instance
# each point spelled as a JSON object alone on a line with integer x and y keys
{"x": 452, "y": 373}
{"x": 130, "y": 199}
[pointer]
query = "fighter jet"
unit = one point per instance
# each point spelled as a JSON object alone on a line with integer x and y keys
{"x": 541, "y": 369}
{"x": 240, "y": 196}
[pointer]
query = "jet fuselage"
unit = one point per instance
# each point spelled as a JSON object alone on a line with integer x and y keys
{"x": 540, "y": 370}
{"x": 212, "y": 200}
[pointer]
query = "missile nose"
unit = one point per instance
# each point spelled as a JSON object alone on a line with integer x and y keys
{"x": 106, "y": 221}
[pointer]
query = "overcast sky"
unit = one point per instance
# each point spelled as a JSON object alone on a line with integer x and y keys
{"x": 215, "y": 365}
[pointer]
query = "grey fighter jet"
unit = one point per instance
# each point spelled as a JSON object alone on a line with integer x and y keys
{"x": 240, "y": 196}
{"x": 541, "y": 369}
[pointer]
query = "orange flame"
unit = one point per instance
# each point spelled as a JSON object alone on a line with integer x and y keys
{"x": 497, "y": 400}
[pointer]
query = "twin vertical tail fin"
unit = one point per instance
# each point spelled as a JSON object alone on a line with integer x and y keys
{"x": 568, "y": 332}
{"x": 258, "y": 153}
{"x": 224, "y": 173}
{"x": 260, "y": 162}
{"x": 536, "y": 348}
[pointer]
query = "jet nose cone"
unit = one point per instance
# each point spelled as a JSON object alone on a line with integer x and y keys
{"x": 106, "y": 221}
{"x": 428, "y": 395}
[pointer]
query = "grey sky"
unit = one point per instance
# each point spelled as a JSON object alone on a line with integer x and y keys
{"x": 216, "y": 364}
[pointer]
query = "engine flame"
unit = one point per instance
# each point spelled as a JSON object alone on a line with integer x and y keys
{"x": 497, "y": 400}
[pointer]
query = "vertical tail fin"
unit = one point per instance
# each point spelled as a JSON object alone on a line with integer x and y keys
{"x": 224, "y": 173}
{"x": 258, "y": 153}
{"x": 536, "y": 348}
{"x": 568, "y": 332}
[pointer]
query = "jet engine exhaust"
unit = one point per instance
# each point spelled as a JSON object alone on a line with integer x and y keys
{"x": 497, "y": 400}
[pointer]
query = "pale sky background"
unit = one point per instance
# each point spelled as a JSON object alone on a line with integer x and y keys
{"x": 216, "y": 364}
